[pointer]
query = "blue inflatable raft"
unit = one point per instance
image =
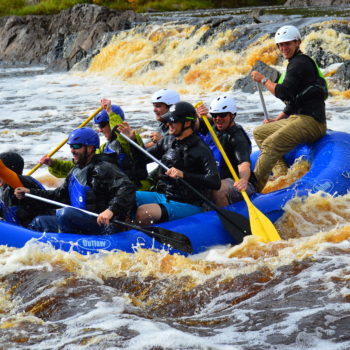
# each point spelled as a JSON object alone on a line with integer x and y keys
{"x": 330, "y": 172}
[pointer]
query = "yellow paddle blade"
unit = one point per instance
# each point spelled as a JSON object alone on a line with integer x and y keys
{"x": 260, "y": 225}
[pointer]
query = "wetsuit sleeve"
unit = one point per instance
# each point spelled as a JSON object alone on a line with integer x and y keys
{"x": 209, "y": 176}
{"x": 60, "y": 168}
{"x": 60, "y": 194}
{"x": 240, "y": 149}
{"x": 157, "y": 150}
{"x": 139, "y": 160}
{"x": 28, "y": 208}
{"x": 109, "y": 181}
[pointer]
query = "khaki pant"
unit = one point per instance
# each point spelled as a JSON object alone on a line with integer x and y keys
{"x": 277, "y": 138}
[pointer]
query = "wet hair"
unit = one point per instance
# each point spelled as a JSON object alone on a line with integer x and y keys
{"x": 13, "y": 161}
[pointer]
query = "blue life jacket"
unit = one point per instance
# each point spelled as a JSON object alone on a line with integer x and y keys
{"x": 120, "y": 156}
{"x": 78, "y": 190}
{"x": 10, "y": 214}
{"x": 219, "y": 159}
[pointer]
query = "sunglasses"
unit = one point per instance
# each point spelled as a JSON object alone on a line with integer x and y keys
{"x": 218, "y": 115}
{"x": 76, "y": 146}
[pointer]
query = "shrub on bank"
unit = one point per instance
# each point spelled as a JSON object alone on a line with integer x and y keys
{"x": 46, "y": 7}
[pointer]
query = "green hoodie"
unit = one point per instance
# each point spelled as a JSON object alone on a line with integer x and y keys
{"x": 60, "y": 168}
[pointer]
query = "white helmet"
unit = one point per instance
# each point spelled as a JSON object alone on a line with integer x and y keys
{"x": 287, "y": 33}
{"x": 167, "y": 96}
{"x": 222, "y": 104}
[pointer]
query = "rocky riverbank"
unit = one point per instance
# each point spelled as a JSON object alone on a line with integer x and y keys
{"x": 304, "y": 3}
{"x": 60, "y": 41}
{"x": 74, "y": 36}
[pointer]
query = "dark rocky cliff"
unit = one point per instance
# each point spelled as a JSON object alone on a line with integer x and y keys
{"x": 60, "y": 41}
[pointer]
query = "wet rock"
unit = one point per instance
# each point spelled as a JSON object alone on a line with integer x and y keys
{"x": 322, "y": 57}
{"x": 246, "y": 84}
{"x": 319, "y": 48}
{"x": 304, "y": 3}
{"x": 152, "y": 65}
{"x": 256, "y": 13}
{"x": 341, "y": 79}
{"x": 223, "y": 24}
{"x": 63, "y": 40}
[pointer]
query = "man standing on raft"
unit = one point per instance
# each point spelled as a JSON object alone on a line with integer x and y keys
{"x": 303, "y": 120}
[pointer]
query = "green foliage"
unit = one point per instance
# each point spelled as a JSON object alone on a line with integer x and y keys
{"x": 9, "y": 6}
{"x": 171, "y": 5}
{"x": 45, "y": 7}
{"x": 245, "y": 3}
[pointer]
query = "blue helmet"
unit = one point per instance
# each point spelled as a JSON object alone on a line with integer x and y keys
{"x": 117, "y": 110}
{"x": 84, "y": 136}
{"x": 101, "y": 117}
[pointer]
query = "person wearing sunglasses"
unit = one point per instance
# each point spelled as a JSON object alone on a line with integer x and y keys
{"x": 117, "y": 149}
{"x": 303, "y": 88}
{"x": 162, "y": 100}
{"x": 93, "y": 184}
{"x": 59, "y": 167}
{"x": 237, "y": 146}
{"x": 188, "y": 158}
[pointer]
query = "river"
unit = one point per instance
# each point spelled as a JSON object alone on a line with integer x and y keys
{"x": 286, "y": 295}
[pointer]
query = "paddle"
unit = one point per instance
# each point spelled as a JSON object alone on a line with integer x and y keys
{"x": 235, "y": 224}
{"x": 164, "y": 236}
{"x": 266, "y": 115}
{"x": 260, "y": 225}
{"x": 9, "y": 176}
{"x": 30, "y": 172}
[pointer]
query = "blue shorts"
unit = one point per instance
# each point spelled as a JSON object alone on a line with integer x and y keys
{"x": 176, "y": 210}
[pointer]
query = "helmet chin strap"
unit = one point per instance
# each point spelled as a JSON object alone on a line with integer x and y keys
{"x": 183, "y": 128}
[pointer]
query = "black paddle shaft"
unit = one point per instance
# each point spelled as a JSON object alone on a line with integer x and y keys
{"x": 235, "y": 224}
{"x": 163, "y": 235}
{"x": 176, "y": 240}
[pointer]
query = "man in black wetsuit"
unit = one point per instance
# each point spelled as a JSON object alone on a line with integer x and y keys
{"x": 188, "y": 158}
{"x": 237, "y": 146}
{"x": 304, "y": 119}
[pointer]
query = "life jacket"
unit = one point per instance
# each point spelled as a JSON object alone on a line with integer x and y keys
{"x": 318, "y": 88}
{"x": 78, "y": 188}
{"x": 114, "y": 148}
{"x": 10, "y": 213}
{"x": 219, "y": 159}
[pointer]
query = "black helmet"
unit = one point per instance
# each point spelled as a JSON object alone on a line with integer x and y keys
{"x": 13, "y": 161}
{"x": 180, "y": 112}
